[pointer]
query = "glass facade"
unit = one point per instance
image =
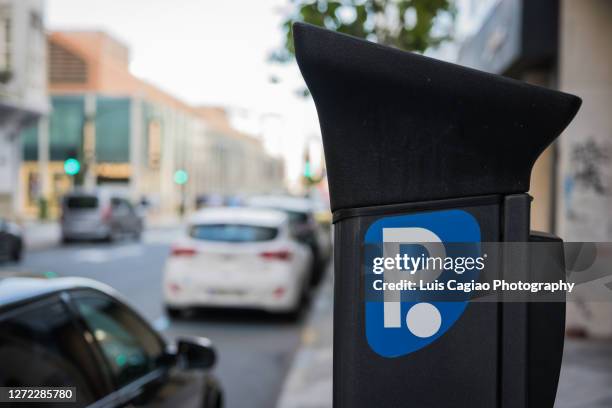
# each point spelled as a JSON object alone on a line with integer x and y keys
{"x": 66, "y": 127}
{"x": 29, "y": 140}
{"x": 66, "y": 122}
{"x": 113, "y": 130}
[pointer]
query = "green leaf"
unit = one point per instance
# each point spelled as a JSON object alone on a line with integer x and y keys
{"x": 370, "y": 22}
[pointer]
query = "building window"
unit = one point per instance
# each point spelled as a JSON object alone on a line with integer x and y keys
{"x": 36, "y": 21}
{"x": 5, "y": 43}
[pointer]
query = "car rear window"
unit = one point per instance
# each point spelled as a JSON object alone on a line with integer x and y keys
{"x": 232, "y": 233}
{"x": 82, "y": 202}
{"x": 296, "y": 217}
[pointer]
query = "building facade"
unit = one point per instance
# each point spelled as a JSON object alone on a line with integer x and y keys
{"x": 585, "y": 159}
{"x": 23, "y": 89}
{"x": 128, "y": 134}
{"x": 562, "y": 44}
{"x": 519, "y": 39}
{"x": 237, "y": 163}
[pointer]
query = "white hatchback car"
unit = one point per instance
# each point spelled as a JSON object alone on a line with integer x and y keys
{"x": 238, "y": 257}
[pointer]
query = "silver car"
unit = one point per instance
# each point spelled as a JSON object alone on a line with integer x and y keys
{"x": 99, "y": 215}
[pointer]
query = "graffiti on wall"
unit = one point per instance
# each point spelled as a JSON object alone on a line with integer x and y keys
{"x": 589, "y": 162}
{"x": 587, "y": 188}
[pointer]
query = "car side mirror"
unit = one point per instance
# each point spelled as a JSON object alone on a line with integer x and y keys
{"x": 196, "y": 353}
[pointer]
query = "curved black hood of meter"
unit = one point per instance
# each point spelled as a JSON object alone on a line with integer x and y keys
{"x": 399, "y": 127}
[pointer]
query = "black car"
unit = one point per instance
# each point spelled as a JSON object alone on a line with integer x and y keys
{"x": 11, "y": 241}
{"x": 73, "y": 332}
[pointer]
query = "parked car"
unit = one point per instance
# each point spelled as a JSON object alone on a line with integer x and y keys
{"x": 303, "y": 222}
{"x": 11, "y": 241}
{"x": 99, "y": 215}
{"x": 238, "y": 257}
{"x": 74, "y": 332}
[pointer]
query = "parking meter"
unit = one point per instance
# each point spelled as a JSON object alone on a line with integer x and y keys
{"x": 419, "y": 150}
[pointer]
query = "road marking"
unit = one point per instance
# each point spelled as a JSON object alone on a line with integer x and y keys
{"x": 163, "y": 236}
{"x": 91, "y": 256}
{"x": 98, "y": 255}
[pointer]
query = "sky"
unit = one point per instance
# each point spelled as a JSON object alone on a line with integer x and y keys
{"x": 209, "y": 53}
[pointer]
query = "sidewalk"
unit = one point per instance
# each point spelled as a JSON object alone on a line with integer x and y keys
{"x": 586, "y": 373}
{"x": 40, "y": 235}
{"x": 309, "y": 383}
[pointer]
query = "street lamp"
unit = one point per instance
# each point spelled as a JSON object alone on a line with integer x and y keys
{"x": 180, "y": 178}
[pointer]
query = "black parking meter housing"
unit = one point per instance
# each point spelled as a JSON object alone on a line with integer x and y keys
{"x": 406, "y": 134}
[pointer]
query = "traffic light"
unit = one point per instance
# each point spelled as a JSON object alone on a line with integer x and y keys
{"x": 428, "y": 156}
{"x": 307, "y": 171}
{"x": 72, "y": 166}
{"x": 181, "y": 177}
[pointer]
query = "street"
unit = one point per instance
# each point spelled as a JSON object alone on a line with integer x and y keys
{"x": 255, "y": 350}
{"x": 263, "y": 360}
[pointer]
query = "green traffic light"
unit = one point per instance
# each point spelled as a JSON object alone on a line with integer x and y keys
{"x": 180, "y": 177}
{"x": 72, "y": 166}
{"x": 307, "y": 170}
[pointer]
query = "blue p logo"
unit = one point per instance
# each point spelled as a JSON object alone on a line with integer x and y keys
{"x": 398, "y": 323}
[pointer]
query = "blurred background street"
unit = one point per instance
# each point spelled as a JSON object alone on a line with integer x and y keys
{"x": 256, "y": 349}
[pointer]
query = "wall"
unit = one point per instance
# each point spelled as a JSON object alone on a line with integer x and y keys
{"x": 585, "y": 171}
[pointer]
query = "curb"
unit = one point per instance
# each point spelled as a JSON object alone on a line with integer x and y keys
{"x": 309, "y": 381}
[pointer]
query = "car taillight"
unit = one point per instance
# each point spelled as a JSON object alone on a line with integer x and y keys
{"x": 279, "y": 292}
{"x": 107, "y": 212}
{"x": 183, "y": 251}
{"x": 281, "y": 255}
{"x": 174, "y": 287}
